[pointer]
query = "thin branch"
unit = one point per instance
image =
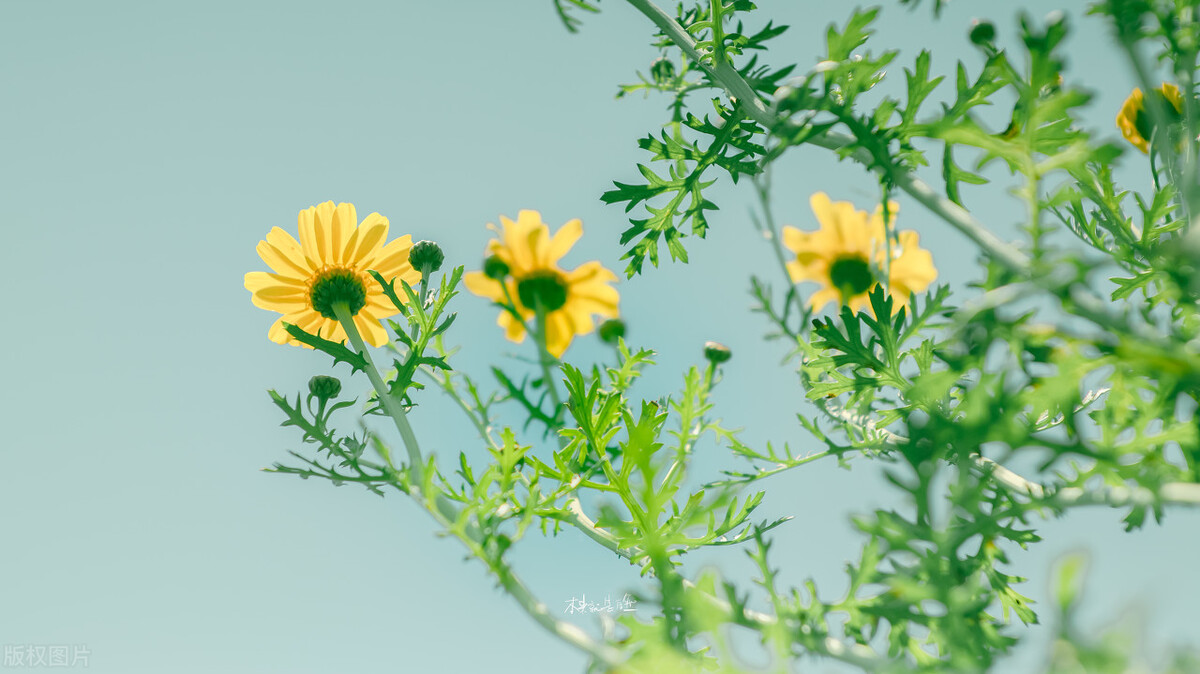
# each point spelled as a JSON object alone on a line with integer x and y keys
{"x": 855, "y": 654}
{"x": 1170, "y": 493}
{"x": 740, "y": 90}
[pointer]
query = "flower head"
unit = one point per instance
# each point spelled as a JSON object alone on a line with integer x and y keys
{"x": 327, "y": 265}
{"x": 1136, "y": 124}
{"x": 324, "y": 387}
{"x": 523, "y": 267}
{"x": 717, "y": 353}
{"x": 426, "y": 256}
{"x": 848, "y": 256}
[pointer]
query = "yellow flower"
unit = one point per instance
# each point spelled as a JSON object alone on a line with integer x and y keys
{"x": 1136, "y": 125}
{"x": 526, "y": 257}
{"x": 330, "y": 263}
{"x": 847, "y": 256}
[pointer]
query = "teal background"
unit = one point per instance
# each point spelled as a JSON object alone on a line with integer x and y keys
{"x": 146, "y": 147}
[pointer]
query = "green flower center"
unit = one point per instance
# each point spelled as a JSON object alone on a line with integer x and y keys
{"x": 851, "y": 276}
{"x": 544, "y": 287}
{"x": 337, "y": 285}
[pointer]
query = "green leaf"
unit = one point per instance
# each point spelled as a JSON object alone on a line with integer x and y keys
{"x": 338, "y": 350}
{"x": 733, "y": 148}
{"x": 841, "y": 45}
{"x": 566, "y": 12}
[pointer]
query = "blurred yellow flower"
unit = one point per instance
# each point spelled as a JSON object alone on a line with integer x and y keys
{"x": 523, "y": 266}
{"x": 328, "y": 264}
{"x": 1136, "y": 125}
{"x": 848, "y": 256}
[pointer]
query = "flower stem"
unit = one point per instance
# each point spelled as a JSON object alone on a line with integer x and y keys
{"x": 390, "y": 404}
{"x": 447, "y": 513}
{"x": 772, "y": 233}
{"x": 535, "y": 608}
{"x": 546, "y": 360}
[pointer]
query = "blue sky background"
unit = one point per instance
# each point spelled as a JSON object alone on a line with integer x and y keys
{"x": 145, "y": 149}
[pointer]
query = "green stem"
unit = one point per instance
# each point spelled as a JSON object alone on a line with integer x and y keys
{"x": 447, "y": 513}
{"x": 856, "y": 654}
{"x": 532, "y": 606}
{"x": 739, "y": 89}
{"x": 446, "y": 382}
{"x": 545, "y": 359}
{"x": 390, "y": 404}
{"x": 772, "y": 234}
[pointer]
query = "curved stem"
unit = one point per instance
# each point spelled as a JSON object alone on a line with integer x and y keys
{"x": 773, "y": 234}
{"x": 390, "y": 404}
{"x": 855, "y": 654}
{"x": 478, "y": 421}
{"x": 532, "y": 606}
{"x": 545, "y": 359}
{"x": 738, "y": 88}
{"x": 447, "y": 513}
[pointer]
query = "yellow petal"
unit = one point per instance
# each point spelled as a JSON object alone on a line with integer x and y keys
{"x": 283, "y": 254}
{"x": 480, "y": 284}
{"x": 582, "y": 318}
{"x": 366, "y": 240}
{"x": 590, "y": 272}
{"x": 794, "y": 239}
{"x": 256, "y": 280}
{"x": 341, "y": 226}
{"x": 900, "y": 299}
{"x": 563, "y": 239}
{"x": 309, "y": 321}
{"x": 559, "y": 332}
{"x": 809, "y": 267}
{"x": 913, "y": 271}
{"x": 280, "y": 298}
{"x": 1171, "y": 93}
{"x": 392, "y": 258}
{"x": 859, "y": 302}
{"x": 595, "y": 299}
{"x": 822, "y": 297}
{"x": 322, "y": 226}
{"x": 306, "y": 225}
{"x": 1127, "y": 120}
{"x": 380, "y": 305}
{"x": 847, "y": 226}
{"x": 278, "y": 333}
{"x": 370, "y": 329}
{"x": 514, "y": 330}
{"x": 520, "y": 239}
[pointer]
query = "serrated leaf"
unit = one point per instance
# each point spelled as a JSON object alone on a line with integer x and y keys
{"x": 338, "y": 350}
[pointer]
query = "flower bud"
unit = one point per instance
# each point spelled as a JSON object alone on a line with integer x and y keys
{"x": 426, "y": 257}
{"x": 717, "y": 353}
{"x": 983, "y": 32}
{"x": 662, "y": 70}
{"x": 324, "y": 388}
{"x": 495, "y": 268}
{"x": 612, "y": 330}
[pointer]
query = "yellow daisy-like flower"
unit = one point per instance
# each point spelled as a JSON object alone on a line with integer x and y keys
{"x": 329, "y": 263}
{"x": 848, "y": 254}
{"x": 1135, "y": 123}
{"x": 524, "y": 262}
